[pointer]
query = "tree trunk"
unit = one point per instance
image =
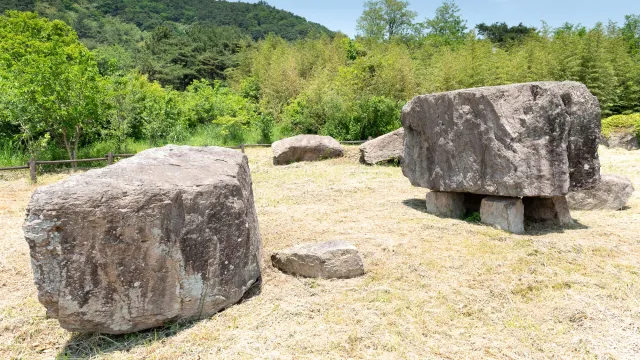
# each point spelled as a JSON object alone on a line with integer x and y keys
{"x": 67, "y": 145}
{"x": 75, "y": 145}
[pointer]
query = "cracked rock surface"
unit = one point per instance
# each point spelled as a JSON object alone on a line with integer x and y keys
{"x": 169, "y": 234}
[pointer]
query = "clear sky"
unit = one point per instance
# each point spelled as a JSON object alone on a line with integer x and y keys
{"x": 342, "y": 14}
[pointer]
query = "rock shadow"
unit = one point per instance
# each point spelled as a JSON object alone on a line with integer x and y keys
{"x": 416, "y": 204}
{"x": 544, "y": 228}
{"x": 86, "y": 346}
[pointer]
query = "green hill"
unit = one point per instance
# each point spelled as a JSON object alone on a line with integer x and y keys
{"x": 173, "y": 42}
{"x": 257, "y": 20}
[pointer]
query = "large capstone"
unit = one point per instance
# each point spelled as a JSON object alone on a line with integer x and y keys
{"x": 305, "y": 148}
{"x": 386, "y": 148}
{"x": 170, "y": 234}
{"x": 523, "y": 140}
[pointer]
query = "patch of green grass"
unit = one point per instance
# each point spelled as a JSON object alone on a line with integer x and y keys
{"x": 473, "y": 217}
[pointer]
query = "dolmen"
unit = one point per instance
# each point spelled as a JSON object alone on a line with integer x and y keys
{"x": 384, "y": 149}
{"x": 169, "y": 234}
{"x": 305, "y": 148}
{"x": 512, "y": 152}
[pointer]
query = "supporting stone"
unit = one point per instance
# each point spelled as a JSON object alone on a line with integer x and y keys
{"x": 505, "y": 213}
{"x": 554, "y": 209}
{"x": 446, "y": 204}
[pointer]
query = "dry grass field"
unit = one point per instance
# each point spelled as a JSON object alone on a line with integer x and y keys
{"x": 434, "y": 288}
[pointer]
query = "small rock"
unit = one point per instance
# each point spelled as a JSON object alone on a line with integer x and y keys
{"x": 622, "y": 139}
{"x": 305, "y": 148}
{"x": 389, "y": 147}
{"x": 329, "y": 260}
{"x": 505, "y": 213}
{"x": 612, "y": 193}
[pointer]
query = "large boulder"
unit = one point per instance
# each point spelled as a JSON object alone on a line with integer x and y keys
{"x": 612, "y": 193}
{"x": 329, "y": 260}
{"x": 621, "y": 139}
{"x": 389, "y": 147}
{"x": 305, "y": 148}
{"x": 535, "y": 140}
{"x": 170, "y": 234}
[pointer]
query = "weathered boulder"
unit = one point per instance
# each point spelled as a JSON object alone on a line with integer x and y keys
{"x": 536, "y": 139}
{"x": 612, "y": 193}
{"x": 622, "y": 139}
{"x": 329, "y": 260}
{"x": 389, "y": 147}
{"x": 305, "y": 148}
{"x": 445, "y": 204}
{"x": 505, "y": 213}
{"x": 170, "y": 234}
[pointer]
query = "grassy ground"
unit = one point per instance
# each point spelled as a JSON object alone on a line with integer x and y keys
{"x": 434, "y": 288}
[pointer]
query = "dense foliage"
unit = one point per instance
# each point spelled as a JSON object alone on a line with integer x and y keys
{"x": 622, "y": 122}
{"x": 135, "y": 85}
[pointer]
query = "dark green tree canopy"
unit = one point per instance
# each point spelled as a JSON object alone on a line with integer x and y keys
{"x": 503, "y": 34}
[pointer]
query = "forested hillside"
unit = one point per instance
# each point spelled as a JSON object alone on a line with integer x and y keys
{"x": 87, "y": 17}
{"x": 120, "y": 85}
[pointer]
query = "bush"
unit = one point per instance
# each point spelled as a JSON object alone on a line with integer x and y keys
{"x": 621, "y": 122}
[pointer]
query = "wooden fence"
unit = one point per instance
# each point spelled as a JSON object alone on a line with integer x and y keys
{"x": 110, "y": 157}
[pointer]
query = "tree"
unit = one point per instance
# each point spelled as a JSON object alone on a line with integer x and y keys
{"x": 631, "y": 33}
{"x": 53, "y": 82}
{"x": 503, "y": 34}
{"x": 447, "y": 26}
{"x": 386, "y": 19}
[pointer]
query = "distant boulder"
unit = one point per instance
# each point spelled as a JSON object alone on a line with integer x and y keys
{"x": 305, "y": 148}
{"x": 329, "y": 260}
{"x": 621, "y": 139}
{"x": 612, "y": 193}
{"x": 389, "y": 147}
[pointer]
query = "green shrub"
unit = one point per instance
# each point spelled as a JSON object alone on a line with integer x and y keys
{"x": 621, "y": 122}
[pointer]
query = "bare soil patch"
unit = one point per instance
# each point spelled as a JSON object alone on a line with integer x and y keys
{"x": 434, "y": 288}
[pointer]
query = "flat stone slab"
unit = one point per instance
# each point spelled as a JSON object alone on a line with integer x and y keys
{"x": 521, "y": 140}
{"x": 305, "y": 148}
{"x": 329, "y": 260}
{"x": 504, "y": 213}
{"x": 169, "y": 234}
{"x": 388, "y": 147}
{"x": 612, "y": 193}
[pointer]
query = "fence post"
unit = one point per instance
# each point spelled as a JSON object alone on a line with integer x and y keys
{"x": 242, "y": 148}
{"x": 32, "y": 170}
{"x": 110, "y": 158}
